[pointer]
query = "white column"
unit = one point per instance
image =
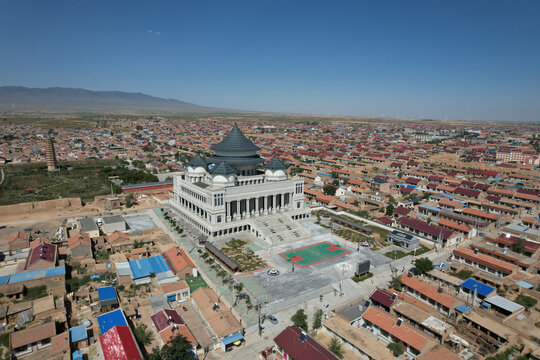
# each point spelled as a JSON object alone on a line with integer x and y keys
{"x": 265, "y": 207}
{"x": 238, "y": 209}
{"x": 257, "y": 206}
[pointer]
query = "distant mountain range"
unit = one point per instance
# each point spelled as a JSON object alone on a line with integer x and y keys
{"x": 18, "y": 98}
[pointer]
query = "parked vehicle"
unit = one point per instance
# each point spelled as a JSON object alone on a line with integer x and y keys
{"x": 272, "y": 319}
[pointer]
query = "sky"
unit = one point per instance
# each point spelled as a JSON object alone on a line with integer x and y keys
{"x": 459, "y": 60}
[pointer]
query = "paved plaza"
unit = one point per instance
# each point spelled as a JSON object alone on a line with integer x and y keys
{"x": 292, "y": 287}
{"x": 139, "y": 222}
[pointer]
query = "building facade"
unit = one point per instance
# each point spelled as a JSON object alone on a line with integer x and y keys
{"x": 222, "y": 194}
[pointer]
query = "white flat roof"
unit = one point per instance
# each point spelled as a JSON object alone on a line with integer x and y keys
{"x": 504, "y": 303}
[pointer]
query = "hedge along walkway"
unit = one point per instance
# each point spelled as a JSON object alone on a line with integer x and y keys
{"x": 249, "y": 317}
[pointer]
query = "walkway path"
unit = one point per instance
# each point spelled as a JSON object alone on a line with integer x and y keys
{"x": 226, "y": 292}
{"x": 2, "y": 171}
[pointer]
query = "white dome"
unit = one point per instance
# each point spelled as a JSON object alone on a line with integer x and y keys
{"x": 275, "y": 175}
{"x": 197, "y": 170}
{"x": 222, "y": 179}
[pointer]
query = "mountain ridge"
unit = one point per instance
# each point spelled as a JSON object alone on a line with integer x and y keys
{"x": 21, "y": 98}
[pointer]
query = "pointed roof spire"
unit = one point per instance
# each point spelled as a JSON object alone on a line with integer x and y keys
{"x": 235, "y": 141}
{"x": 275, "y": 164}
{"x": 196, "y": 161}
{"x": 223, "y": 169}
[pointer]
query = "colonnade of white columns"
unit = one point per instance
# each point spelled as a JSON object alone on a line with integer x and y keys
{"x": 270, "y": 204}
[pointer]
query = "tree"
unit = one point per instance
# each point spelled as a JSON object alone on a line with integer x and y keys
{"x": 143, "y": 335}
{"x": 426, "y": 195}
{"x": 139, "y": 127}
{"x": 397, "y": 348}
{"x": 423, "y": 265}
{"x": 300, "y": 319}
{"x": 329, "y": 190}
{"x": 178, "y": 348}
{"x": 519, "y": 246}
{"x": 390, "y": 210}
{"x": 396, "y": 283}
{"x": 129, "y": 200}
{"x": 527, "y": 301}
{"x": 335, "y": 347}
{"x": 317, "y": 320}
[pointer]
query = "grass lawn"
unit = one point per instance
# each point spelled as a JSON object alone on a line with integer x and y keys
{"x": 84, "y": 179}
{"x": 360, "y": 278}
{"x": 195, "y": 282}
{"x": 395, "y": 254}
{"x": 356, "y": 237}
{"x": 237, "y": 250}
{"x": 382, "y": 232}
{"x": 421, "y": 250}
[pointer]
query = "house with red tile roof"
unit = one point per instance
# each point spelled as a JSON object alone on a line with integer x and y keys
{"x": 293, "y": 343}
{"x": 390, "y": 328}
{"x": 118, "y": 343}
{"x": 80, "y": 245}
{"x": 439, "y": 300}
{"x": 467, "y": 231}
{"x": 168, "y": 324}
{"x": 43, "y": 256}
{"x": 383, "y": 298}
{"x": 429, "y": 231}
{"x": 477, "y": 260}
{"x": 179, "y": 262}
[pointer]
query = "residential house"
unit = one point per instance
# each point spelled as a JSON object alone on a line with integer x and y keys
{"x": 294, "y": 343}
{"x": 32, "y": 340}
{"x": 215, "y": 312}
{"x": 88, "y": 226}
{"x": 113, "y": 224}
{"x": 177, "y": 291}
{"x": 168, "y": 323}
{"x": 390, "y": 328}
{"x": 43, "y": 256}
{"x": 180, "y": 263}
{"x": 80, "y": 245}
{"x": 18, "y": 242}
{"x": 118, "y": 343}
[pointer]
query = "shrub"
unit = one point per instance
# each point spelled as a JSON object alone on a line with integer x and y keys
{"x": 526, "y": 301}
{"x": 397, "y": 348}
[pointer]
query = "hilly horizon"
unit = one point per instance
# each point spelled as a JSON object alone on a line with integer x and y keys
{"x": 20, "y": 98}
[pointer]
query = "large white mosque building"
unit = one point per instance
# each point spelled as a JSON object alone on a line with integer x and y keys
{"x": 231, "y": 191}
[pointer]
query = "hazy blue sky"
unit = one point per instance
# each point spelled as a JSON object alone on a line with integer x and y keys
{"x": 441, "y": 59}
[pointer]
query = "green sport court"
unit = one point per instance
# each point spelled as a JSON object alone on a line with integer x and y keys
{"x": 314, "y": 254}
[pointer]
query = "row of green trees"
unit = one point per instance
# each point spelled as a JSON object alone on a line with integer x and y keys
{"x": 300, "y": 319}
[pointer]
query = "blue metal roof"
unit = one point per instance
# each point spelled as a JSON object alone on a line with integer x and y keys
{"x": 60, "y": 270}
{"x": 232, "y": 338}
{"x": 463, "y": 308}
{"x": 111, "y": 319}
{"x": 106, "y": 293}
{"x": 36, "y": 274}
{"x": 78, "y": 333}
{"x": 525, "y": 284}
{"x": 481, "y": 289}
{"x": 431, "y": 208}
{"x": 77, "y": 355}
{"x": 4, "y": 279}
{"x": 146, "y": 266}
